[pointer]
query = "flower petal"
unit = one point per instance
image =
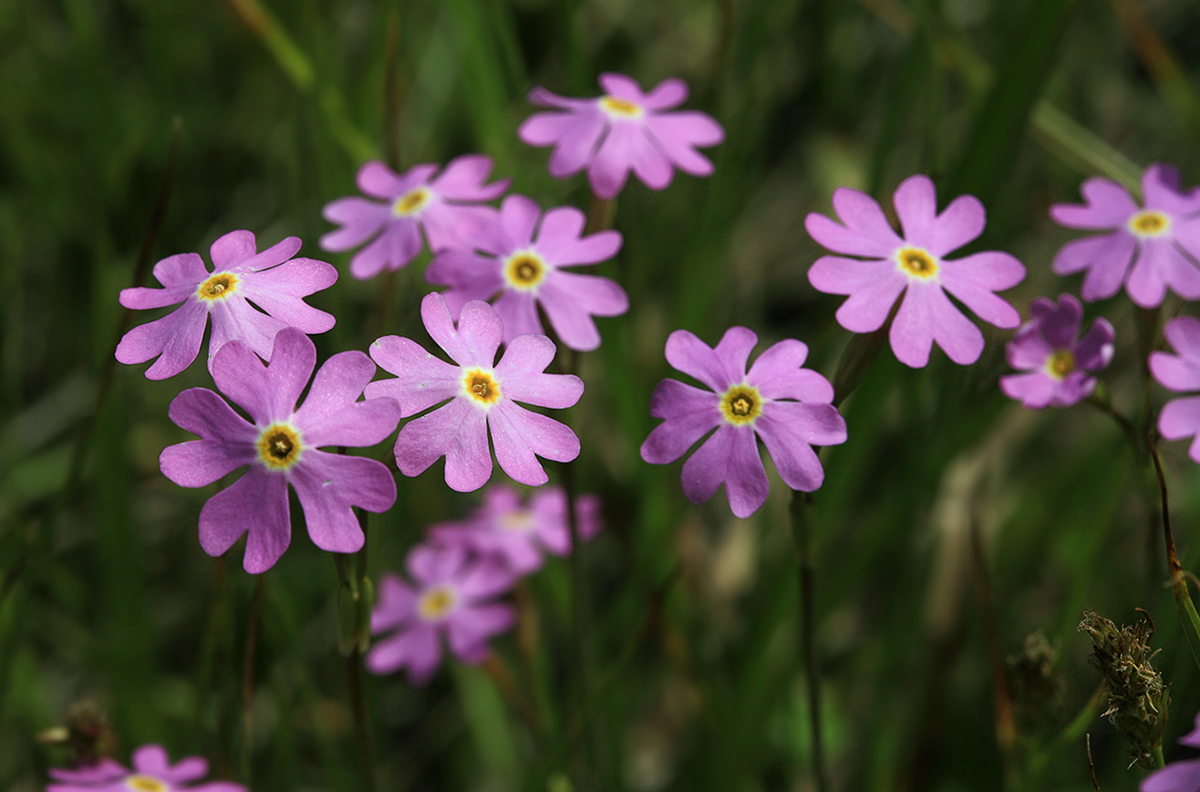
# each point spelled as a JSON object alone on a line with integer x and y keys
{"x": 520, "y": 436}
{"x": 256, "y": 504}
{"x": 457, "y": 431}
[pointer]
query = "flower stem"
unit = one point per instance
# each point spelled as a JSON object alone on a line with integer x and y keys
{"x": 803, "y": 541}
{"x": 248, "y": 678}
{"x": 1183, "y": 599}
{"x": 601, "y": 212}
{"x": 355, "y": 596}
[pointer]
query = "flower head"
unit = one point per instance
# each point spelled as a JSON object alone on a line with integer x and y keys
{"x": 523, "y": 263}
{"x": 452, "y": 595}
{"x": 620, "y": 131}
{"x": 889, "y": 265}
{"x": 152, "y": 772}
{"x": 478, "y": 395}
{"x": 517, "y": 533}
{"x": 1180, "y": 372}
{"x": 445, "y": 206}
{"x": 281, "y": 445}
{"x": 1056, "y": 360}
{"x": 1148, "y": 248}
{"x": 788, "y": 406}
{"x": 272, "y": 280}
{"x": 1181, "y": 776}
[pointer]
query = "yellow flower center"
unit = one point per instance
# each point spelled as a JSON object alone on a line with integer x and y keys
{"x": 279, "y": 446}
{"x": 516, "y": 521}
{"x": 917, "y": 263}
{"x": 621, "y": 108}
{"x": 218, "y": 287}
{"x": 481, "y": 386}
{"x": 1149, "y": 223}
{"x": 145, "y": 783}
{"x": 1060, "y": 364}
{"x": 436, "y": 603}
{"x": 411, "y": 202}
{"x": 525, "y": 270}
{"x": 741, "y": 404}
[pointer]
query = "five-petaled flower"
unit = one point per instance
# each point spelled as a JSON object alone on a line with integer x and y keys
{"x": 1056, "y": 361}
{"x": 1180, "y": 372}
{"x": 281, "y": 447}
{"x": 446, "y": 206}
{"x": 479, "y": 394}
{"x": 621, "y": 131}
{"x": 152, "y": 772}
{"x": 523, "y": 262}
{"x": 516, "y": 533}
{"x": 452, "y": 596}
{"x": 913, "y": 264}
{"x": 1181, "y": 776}
{"x": 1148, "y": 249}
{"x": 272, "y": 280}
{"x": 788, "y": 406}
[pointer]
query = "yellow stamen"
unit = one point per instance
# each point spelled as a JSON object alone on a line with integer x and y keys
{"x": 1149, "y": 223}
{"x": 1060, "y": 364}
{"x": 621, "y": 107}
{"x": 218, "y": 287}
{"x": 525, "y": 270}
{"x": 279, "y": 446}
{"x": 411, "y": 202}
{"x": 917, "y": 263}
{"x": 481, "y": 386}
{"x": 436, "y": 603}
{"x": 741, "y": 404}
{"x": 144, "y": 783}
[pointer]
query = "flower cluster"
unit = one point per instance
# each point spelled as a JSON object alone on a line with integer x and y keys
{"x": 152, "y": 772}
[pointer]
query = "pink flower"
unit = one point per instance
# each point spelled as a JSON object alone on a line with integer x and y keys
{"x": 913, "y": 265}
{"x": 1056, "y": 360}
{"x": 523, "y": 263}
{"x": 445, "y": 206}
{"x": 281, "y": 448}
{"x": 272, "y": 280}
{"x": 621, "y": 131}
{"x": 517, "y": 533}
{"x": 479, "y": 395}
{"x": 152, "y": 772}
{"x": 1160, "y": 240}
{"x": 452, "y": 596}
{"x": 788, "y": 406}
{"x": 1180, "y": 372}
{"x": 1182, "y": 776}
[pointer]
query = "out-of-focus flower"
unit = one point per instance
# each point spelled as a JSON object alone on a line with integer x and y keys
{"x": 1181, "y": 776}
{"x": 913, "y": 265}
{"x": 281, "y": 448}
{"x": 523, "y": 262}
{"x": 272, "y": 280}
{"x": 518, "y": 533}
{"x": 480, "y": 394}
{"x": 452, "y": 596}
{"x": 445, "y": 206}
{"x": 1180, "y": 372}
{"x": 788, "y": 406}
{"x": 1056, "y": 361}
{"x": 621, "y": 131}
{"x": 152, "y": 772}
{"x": 1148, "y": 249}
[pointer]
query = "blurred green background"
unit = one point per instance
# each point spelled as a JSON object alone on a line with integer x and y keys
{"x": 105, "y": 594}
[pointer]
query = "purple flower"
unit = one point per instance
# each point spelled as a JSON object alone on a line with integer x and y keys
{"x": 518, "y": 534}
{"x": 452, "y": 596}
{"x": 152, "y": 772}
{"x": 272, "y": 280}
{"x": 1177, "y": 776}
{"x": 789, "y": 407}
{"x": 1180, "y": 372}
{"x": 281, "y": 448}
{"x": 1161, "y": 240}
{"x": 523, "y": 263}
{"x": 1056, "y": 360}
{"x": 621, "y": 131}
{"x": 446, "y": 207}
{"x": 479, "y": 394}
{"x": 913, "y": 264}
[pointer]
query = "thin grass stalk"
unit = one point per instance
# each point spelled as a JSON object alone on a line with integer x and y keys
{"x": 1178, "y": 580}
{"x": 355, "y": 598}
{"x": 248, "y": 660}
{"x": 803, "y": 541}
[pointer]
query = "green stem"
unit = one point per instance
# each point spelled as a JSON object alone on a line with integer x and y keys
{"x": 355, "y": 597}
{"x": 248, "y": 660}
{"x": 1183, "y": 598}
{"x": 804, "y": 541}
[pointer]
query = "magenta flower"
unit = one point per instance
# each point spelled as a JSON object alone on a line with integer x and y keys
{"x": 1160, "y": 240}
{"x": 452, "y": 596}
{"x": 788, "y": 406}
{"x": 913, "y": 265}
{"x": 1181, "y": 776}
{"x": 281, "y": 448}
{"x": 152, "y": 772}
{"x": 1180, "y": 372}
{"x": 479, "y": 395}
{"x": 621, "y": 131}
{"x": 523, "y": 261}
{"x": 518, "y": 534}
{"x": 272, "y": 280}
{"x": 1055, "y": 359}
{"x": 446, "y": 207}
